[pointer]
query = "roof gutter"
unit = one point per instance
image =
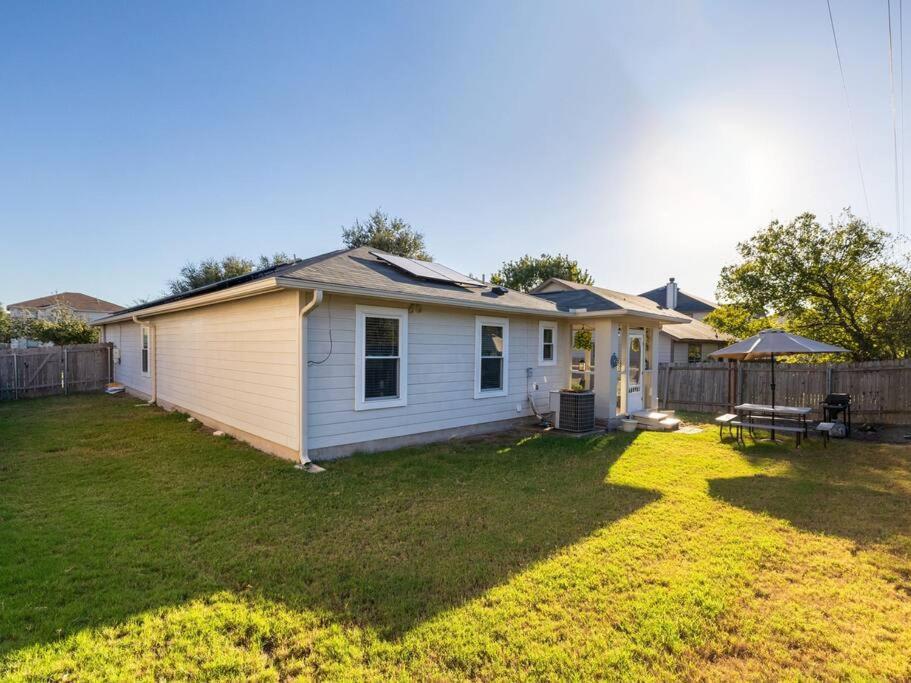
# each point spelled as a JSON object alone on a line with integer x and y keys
{"x": 293, "y": 283}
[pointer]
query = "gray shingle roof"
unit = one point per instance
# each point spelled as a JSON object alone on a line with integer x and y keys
{"x": 686, "y": 303}
{"x": 696, "y": 330}
{"x": 359, "y": 269}
{"x": 361, "y": 272}
{"x": 595, "y": 298}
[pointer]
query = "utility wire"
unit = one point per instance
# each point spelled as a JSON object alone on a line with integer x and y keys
{"x": 901, "y": 63}
{"x": 844, "y": 86}
{"x": 898, "y": 218}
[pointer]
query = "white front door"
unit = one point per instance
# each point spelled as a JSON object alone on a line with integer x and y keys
{"x": 635, "y": 363}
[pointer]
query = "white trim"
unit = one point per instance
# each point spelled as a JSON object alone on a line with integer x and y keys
{"x": 400, "y": 314}
{"x": 479, "y": 321}
{"x": 547, "y": 325}
{"x": 145, "y": 344}
{"x": 241, "y": 291}
{"x": 412, "y": 297}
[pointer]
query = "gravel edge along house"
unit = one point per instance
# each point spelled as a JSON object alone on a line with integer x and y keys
{"x": 358, "y": 350}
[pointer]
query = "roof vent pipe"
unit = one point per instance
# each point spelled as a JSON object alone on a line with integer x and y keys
{"x": 671, "y": 294}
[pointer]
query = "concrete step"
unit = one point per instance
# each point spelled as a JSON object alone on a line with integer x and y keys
{"x": 669, "y": 424}
{"x": 649, "y": 416}
{"x": 656, "y": 420}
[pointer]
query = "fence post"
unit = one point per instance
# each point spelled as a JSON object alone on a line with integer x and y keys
{"x": 739, "y": 382}
{"x": 66, "y": 379}
{"x": 15, "y": 377}
{"x": 667, "y": 383}
{"x": 828, "y": 378}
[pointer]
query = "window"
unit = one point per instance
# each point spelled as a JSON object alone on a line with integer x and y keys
{"x": 381, "y": 361}
{"x": 694, "y": 353}
{"x": 491, "y": 357}
{"x": 635, "y": 360}
{"x": 547, "y": 343}
{"x": 144, "y": 350}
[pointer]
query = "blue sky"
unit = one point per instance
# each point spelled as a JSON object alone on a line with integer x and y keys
{"x": 644, "y": 139}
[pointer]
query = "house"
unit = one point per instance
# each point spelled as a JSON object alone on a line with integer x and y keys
{"x": 89, "y": 308}
{"x": 358, "y": 350}
{"x": 693, "y": 341}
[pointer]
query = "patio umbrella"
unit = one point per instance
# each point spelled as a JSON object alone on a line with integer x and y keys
{"x": 771, "y": 343}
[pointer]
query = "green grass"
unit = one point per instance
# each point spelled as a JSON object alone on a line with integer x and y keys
{"x": 134, "y": 545}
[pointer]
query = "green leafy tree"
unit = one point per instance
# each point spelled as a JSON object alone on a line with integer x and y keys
{"x": 837, "y": 283}
{"x": 738, "y": 322}
{"x": 528, "y": 272}
{"x": 392, "y": 235}
{"x": 212, "y": 270}
{"x": 6, "y": 325}
{"x": 62, "y": 327}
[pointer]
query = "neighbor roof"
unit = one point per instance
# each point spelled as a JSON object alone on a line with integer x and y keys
{"x": 593, "y": 298}
{"x": 686, "y": 303}
{"x": 695, "y": 330}
{"x": 75, "y": 300}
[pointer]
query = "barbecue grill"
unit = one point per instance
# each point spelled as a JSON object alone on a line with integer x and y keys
{"x": 835, "y": 405}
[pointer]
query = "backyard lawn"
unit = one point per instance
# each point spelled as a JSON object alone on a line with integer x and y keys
{"x": 134, "y": 545}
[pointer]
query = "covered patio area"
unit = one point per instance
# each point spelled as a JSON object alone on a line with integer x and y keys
{"x": 614, "y": 338}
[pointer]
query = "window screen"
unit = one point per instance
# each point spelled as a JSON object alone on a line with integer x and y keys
{"x": 381, "y": 358}
{"x": 547, "y": 343}
{"x": 491, "y": 357}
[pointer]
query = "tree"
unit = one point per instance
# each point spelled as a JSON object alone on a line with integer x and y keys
{"x": 392, "y": 235}
{"x": 6, "y": 326}
{"x": 839, "y": 284}
{"x": 528, "y": 272}
{"x": 738, "y": 322}
{"x": 62, "y": 328}
{"x": 211, "y": 270}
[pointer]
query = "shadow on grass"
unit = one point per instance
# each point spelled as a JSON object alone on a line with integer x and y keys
{"x": 147, "y": 513}
{"x": 863, "y": 515}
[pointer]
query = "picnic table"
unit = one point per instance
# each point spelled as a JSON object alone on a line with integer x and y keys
{"x": 787, "y": 419}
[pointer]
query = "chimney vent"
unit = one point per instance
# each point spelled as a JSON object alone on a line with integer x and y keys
{"x": 671, "y": 294}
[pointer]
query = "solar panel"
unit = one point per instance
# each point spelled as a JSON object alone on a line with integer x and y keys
{"x": 427, "y": 270}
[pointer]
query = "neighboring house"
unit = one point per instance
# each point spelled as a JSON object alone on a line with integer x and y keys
{"x": 89, "y": 308}
{"x": 357, "y": 350}
{"x": 693, "y": 341}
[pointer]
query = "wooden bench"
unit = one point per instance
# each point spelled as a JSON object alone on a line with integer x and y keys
{"x": 723, "y": 420}
{"x": 798, "y": 432}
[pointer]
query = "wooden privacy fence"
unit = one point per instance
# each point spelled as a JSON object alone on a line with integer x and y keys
{"x": 880, "y": 390}
{"x": 48, "y": 370}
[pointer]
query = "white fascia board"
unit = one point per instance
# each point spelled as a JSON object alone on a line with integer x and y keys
{"x": 243, "y": 291}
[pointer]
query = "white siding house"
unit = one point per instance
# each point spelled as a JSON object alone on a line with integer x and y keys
{"x": 352, "y": 351}
{"x": 440, "y": 376}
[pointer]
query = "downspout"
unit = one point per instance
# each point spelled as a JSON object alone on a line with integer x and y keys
{"x": 153, "y": 352}
{"x": 304, "y": 459}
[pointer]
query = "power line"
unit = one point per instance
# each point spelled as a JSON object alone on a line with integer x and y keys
{"x": 844, "y": 86}
{"x": 898, "y": 219}
{"x": 901, "y": 62}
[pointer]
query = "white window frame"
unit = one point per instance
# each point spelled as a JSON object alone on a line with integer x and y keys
{"x": 479, "y": 322}
{"x": 145, "y": 344}
{"x": 360, "y": 389}
{"x": 547, "y": 325}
